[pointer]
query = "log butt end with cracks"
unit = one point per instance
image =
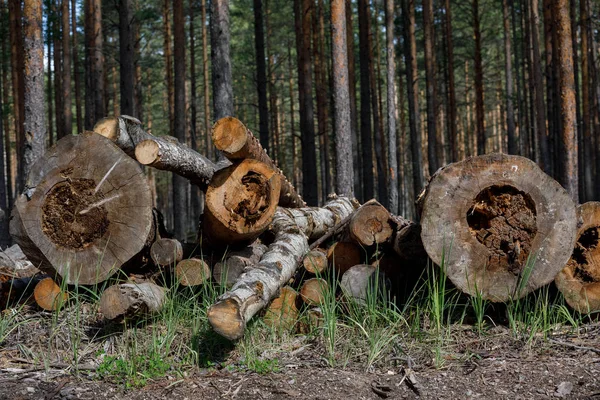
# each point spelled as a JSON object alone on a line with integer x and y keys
{"x": 226, "y": 319}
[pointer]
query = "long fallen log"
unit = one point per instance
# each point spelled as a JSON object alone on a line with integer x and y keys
{"x": 258, "y": 285}
{"x": 236, "y": 142}
{"x": 498, "y": 224}
{"x": 579, "y": 281}
{"x": 128, "y": 300}
{"x": 86, "y": 210}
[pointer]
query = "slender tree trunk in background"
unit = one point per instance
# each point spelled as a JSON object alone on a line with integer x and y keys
{"x": 585, "y": 96}
{"x": 365, "y": 107}
{"x": 595, "y": 102}
{"x": 303, "y": 14}
{"x": 138, "y": 98}
{"x": 341, "y": 95}
{"x": 321, "y": 96}
{"x": 392, "y": 150}
{"x": 510, "y": 112}
{"x": 552, "y": 95}
{"x": 4, "y": 234}
{"x": 126, "y": 58}
{"x": 33, "y": 78}
{"x": 517, "y": 52}
{"x": 221, "y": 61}
{"x": 356, "y": 159}
{"x": 274, "y": 120}
{"x": 568, "y": 177}
{"x": 195, "y": 194}
{"x": 410, "y": 55}
{"x": 89, "y": 118}
{"x": 479, "y": 109}
{"x": 525, "y": 83}
{"x": 49, "y": 92}
{"x": 75, "y": 52}
{"x": 540, "y": 108}
{"x": 206, "y": 84}
{"x": 14, "y": 13}
{"x": 180, "y": 184}
{"x": 66, "y": 71}
{"x": 261, "y": 75}
{"x": 292, "y": 118}
{"x": 550, "y": 84}
{"x": 4, "y": 60}
{"x": 98, "y": 70}
{"x": 431, "y": 85}
{"x": 452, "y": 131}
{"x": 58, "y": 75}
{"x": 169, "y": 64}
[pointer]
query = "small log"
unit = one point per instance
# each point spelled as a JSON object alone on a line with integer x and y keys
{"x": 315, "y": 261}
{"x": 282, "y": 313}
{"x": 483, "y": 219}
{"x": 48, "y": 295}
{"x": 166, "y": 252}
{"x": 363, "y": 280}
{"x": 124, "y": 131}
{"x": 236, "y": 142}
{"x": 371, "y": 224}
{"x": 344, "y": 255}
{"x": 240, "y": 203}
{"x": 259, "y": 284}
{"x": 128, "y": 300}
{"x": 579, "y": 281}
{"x": 14, "y": 263}
{"x": 407, "y": 242}
{"x": 314, "y": 291}
{"x": 234, "y": 263}
{"x": 86, "y": 211}
{"x": 192, "y": 272}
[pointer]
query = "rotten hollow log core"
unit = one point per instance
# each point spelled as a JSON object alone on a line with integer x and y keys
{"x": 586, "y": 256}
{"x": 73, "y": 215}
{"x": 503, "y": 219}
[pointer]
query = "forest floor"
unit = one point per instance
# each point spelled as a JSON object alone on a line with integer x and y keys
{"x": 490, "y": 364}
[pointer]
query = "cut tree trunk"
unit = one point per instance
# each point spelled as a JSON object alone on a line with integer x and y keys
{"x": 253, "y": 291}
{"x": 128, "y": 300}
{"x": 166, "y": 252}
{"x": 371, "y": 224}
{"x": 344, "y": 255}
{"x": 315, "y": 261}
{"x": 234, "y": 263}
{"x": 14, "y": 264}
{"x": 48, "y": 295}
{"x": 579, "y": 281}
{"x": 314, "y": 291}
{"x": 282, "y": 313}
{"x": 86, "y": 210}
{"x": 499, "y": 225}
{"x": 192, "y": 272}
{"x": 236, "y": 142}
{"x": 361, "y": 281}
{"x": 240, "y": 203}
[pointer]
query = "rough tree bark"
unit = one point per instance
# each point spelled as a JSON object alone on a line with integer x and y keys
{"x": 75, "y": 52}
{"x": 479, "y": 104}
{"x": 500, "y": 226}
{"x": 84, "y": 198}
{"x": 128, "y": 300}
{"x": 222, "y": 82}
{"x": 586, "y": 121}
{"x": 430, "y": 84}
{"x": 253, "y": 291}
{"x": 510, "y": 112}
{"x": 126, "y": 58}
{"x": 452, "y": 127}
{"x": 67, "y": 128}
{"x": 234, "y": 263}
{"x": 261, "y": 75}
{"x": 392, "y": 173}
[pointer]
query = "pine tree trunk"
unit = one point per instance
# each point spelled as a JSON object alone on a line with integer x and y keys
{"x": 206, "y": 85}
{"x": 568, "y": 139}
{"x": 479, "y": 107}
{"x": 67, "y": 116}
{"x": 366, "y": 133}
{"x": 49, "y": 87}
{"x": 586, "y": 120}
{"x": 7, "y": 127}
{"x": 321, "y": 96}
{"x": 78, "y": 114}
{"x": 222, "y": 80}
{"x": 342, "y": 110}
{"x": 356, "y": 152}
{"x": 197, "y": 202}
{"x": 261, "y": 75}
{"x": 4, "y": 235}
{"x": 452, "y": 122}
{"x": 392, "y": 182}
{"x": 17, "y": 61}
{"x": 58, "y": 75}
{"x": 510, "y": 112}
{"x": 431, "y": 86}
{"x": 126, "y": 58}
{"x": 98, "y": 68}
{"x": 169, "y": 65}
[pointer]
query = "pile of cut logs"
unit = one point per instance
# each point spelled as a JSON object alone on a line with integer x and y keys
{"x": 498, "y": 226}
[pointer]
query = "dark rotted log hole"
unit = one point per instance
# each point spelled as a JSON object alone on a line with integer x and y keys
{"x": 584, "y": 256}
{"x": 503, "y": 219}
{"x": 255, "y": 199}
{"x": 62, "y": 218}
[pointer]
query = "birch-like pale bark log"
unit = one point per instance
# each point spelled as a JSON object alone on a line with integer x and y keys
{"x": 293, "y": 229}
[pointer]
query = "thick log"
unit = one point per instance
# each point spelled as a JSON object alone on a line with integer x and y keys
{"x": 86, "y": 211}
{"x": 129, "y": 300}
{"x": 362, "y": 281}
{"x": 48, "y": 295}
{"x": 236, "y": 142}
{"x": 371, "y": 224}
{"x": 240, "y": 203}
{"x": 227, "y": 271}
{"x": 314, "y": 291}
{"x": 579, "y": 281}
{"x": 315, "y": 261}
{"x": 282, "y": 313}
{"x": 344, "y": 255}
{"x": 259, "y": 284}
{"x": 192, "y": 272}
{"x": 499, "y": 225}
{"x": 166, "y": 252}
{"x": 164, "y": 152}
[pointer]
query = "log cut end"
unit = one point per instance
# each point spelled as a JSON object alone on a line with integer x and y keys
{"x": 226, "y": 319}
{"x": 240, "y": 202}
{"x": 371, "y": 224}
{"x": 344, "y": 255}
{"x": 48, "y": 295}
{"x": 147, "y": 152}
{"x": 108, "y": 127}
{"x": 166, "y": 252}
{"x": 282, "y": 313}
{"x": 192, "y": 272}
{"x": 579, "y": 281}
{"x": 314, "y": 291}
{"x": 315, "y": 261}
{"x": 229, "y": 135}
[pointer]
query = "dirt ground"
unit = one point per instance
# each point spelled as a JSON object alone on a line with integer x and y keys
{"x": 496, "y": 367}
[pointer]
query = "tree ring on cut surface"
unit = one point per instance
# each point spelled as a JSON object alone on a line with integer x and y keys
{"x": 498, "y": 225}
